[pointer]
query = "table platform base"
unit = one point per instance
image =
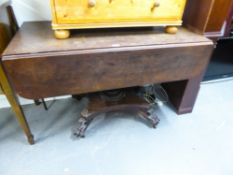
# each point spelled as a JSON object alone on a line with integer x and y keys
{"x": 131, "y": 103}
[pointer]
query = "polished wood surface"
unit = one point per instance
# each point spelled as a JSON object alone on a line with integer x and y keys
{"x": 77, "y": 14}
{"x": 41, "y": 35}
{"x": 197, "y": 14}
{"x": 218, "y": 15}
{"x": 97, "y": 60}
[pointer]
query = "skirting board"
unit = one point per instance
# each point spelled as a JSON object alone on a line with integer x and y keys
{"x": 4, "y": 102}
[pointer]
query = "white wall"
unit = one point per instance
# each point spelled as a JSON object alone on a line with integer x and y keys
{"x": 31, "y": 10}
{"x": 3, "y": 2}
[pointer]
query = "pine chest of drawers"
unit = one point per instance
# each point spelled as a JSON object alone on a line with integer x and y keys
{"x": 79, "y": 14}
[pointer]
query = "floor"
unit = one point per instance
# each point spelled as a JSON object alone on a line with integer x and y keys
{"x": 194, "y": 144}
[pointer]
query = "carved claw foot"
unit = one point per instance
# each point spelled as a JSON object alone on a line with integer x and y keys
{"x": 154, "y": 119}
{"x": 151, "y": 117}
{"x": 81, "y": 128}
{"x": 83, "y": 123}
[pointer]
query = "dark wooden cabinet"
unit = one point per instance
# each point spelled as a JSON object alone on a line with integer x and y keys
{"x": 208, "y": 17}
{"x": 214, "y": 19}
{"x": 229, "y": 24}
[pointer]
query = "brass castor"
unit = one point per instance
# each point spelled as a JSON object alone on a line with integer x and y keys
{"x": 171, "y": 29}
{"x": 62, "y": 34}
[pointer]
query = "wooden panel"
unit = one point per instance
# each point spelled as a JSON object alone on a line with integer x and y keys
{"x": 207, "y": 17}
{"x": 4, "y": 39}
{"x": 3, "y": 42}
{"x": 89, "y": 72}
{"x": 197, "y": 14}
{"x": 229, "y": 21}
{"x": 218, "y": 15}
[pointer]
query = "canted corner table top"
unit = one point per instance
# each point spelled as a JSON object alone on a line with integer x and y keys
{"x": 36, "y": 38}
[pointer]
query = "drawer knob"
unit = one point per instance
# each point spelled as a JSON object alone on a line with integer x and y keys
{"x": 91, "y": 3}
{"x": 155, "y": 4}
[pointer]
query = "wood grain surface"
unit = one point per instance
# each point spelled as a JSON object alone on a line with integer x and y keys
{"x": 44, "y": 43}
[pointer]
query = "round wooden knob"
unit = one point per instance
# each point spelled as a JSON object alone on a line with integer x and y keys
{"x": 155, "y": 4}
{"x": 91, "y": 3}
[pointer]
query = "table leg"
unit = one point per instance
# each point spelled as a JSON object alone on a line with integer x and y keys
{"x": 8, "y": 91}
{"x": 183, "y": 94}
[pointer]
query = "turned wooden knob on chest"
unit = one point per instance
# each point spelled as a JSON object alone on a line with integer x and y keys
{"x": 155, "y": 4}
{"x": 91, "y": 3}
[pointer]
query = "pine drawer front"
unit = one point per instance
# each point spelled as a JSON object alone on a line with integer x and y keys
{"x": 77, "y": 14}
